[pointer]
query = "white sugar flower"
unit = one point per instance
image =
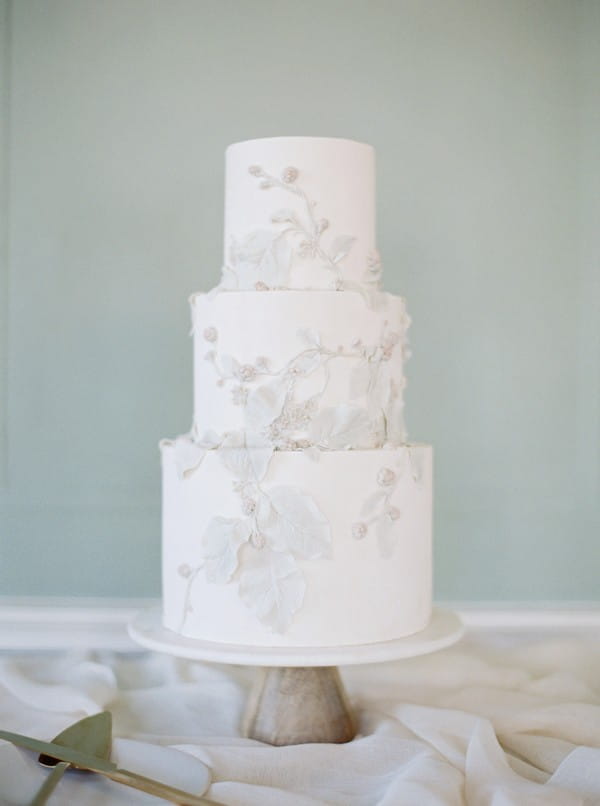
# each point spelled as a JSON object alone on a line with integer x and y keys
{"x": 289, "y": 175}
{"x": 386, "y": 477}
{"x": 246, "y": 373}
{"x": 359, "y": 530}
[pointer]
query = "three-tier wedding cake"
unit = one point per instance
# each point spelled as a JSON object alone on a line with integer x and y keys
{"x": 295, "y": 512}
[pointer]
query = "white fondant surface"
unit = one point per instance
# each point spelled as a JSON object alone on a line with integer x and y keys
{"x": 356, "y": 595}
{"x": 294, "y": 514}
{"x": 327, "y": 347}
{"x": 336, "y": 176}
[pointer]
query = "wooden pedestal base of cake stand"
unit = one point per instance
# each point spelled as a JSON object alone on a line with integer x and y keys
{"x": 298, "y": 695}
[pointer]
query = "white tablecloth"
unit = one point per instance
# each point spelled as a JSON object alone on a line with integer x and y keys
{"x": 486, "y": 722}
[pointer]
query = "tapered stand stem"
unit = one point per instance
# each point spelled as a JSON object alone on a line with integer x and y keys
{"x": 294, "y": 705}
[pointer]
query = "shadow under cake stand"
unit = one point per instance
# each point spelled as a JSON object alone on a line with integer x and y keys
{"x": 299, "y": 696}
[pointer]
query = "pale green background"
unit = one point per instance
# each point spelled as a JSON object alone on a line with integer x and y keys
{"x": 484, "y": 116}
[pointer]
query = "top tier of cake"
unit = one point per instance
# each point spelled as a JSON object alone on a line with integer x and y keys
{"x": 300, "y": 213}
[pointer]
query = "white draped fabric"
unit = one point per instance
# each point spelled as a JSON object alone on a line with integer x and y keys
{"x": 485, "y": 723}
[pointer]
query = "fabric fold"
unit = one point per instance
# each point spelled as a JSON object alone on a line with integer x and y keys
{"x": 475, "y": 725}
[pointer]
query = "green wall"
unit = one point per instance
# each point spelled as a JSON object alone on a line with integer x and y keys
{"x": 484, "y": 116}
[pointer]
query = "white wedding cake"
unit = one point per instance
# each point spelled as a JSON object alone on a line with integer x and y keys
{"x": 295, "y": 512}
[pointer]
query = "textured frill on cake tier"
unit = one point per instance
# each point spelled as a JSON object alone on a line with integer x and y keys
{"x": 294, "y": 549}
{"x": 295, "y": 369}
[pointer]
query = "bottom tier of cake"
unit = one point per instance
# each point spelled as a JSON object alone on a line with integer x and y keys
{"x": 313, "y": 548}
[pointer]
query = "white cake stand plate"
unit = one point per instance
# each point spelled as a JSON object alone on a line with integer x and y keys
{"x": 299, "y": 696}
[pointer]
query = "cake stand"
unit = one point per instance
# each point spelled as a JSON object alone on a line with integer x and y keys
{"x": 298, "y": 696}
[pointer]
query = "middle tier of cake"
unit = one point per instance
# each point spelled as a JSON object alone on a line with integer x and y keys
{"x": 300, "y": 368}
